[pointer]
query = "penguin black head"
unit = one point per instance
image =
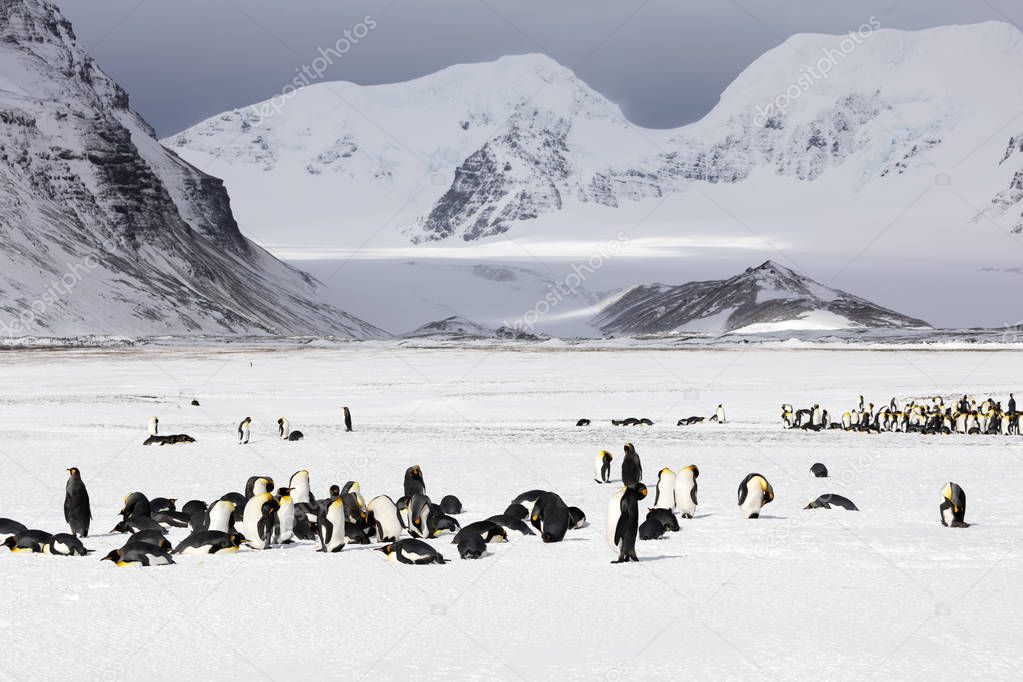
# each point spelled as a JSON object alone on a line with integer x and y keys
{"x": 75, "y": 473}
{"x": 114, "y": 555}
{"x": 641, "y": 491}
{"x": 121, "y": 527}
{"x": 386, "y": 549}
{"x": 695, "y": 469}
{"x": 11, "y": 542}
{"x": 284, "y": 492}
{"x": 335, "y": 491}
{"x": 237, "y": 539}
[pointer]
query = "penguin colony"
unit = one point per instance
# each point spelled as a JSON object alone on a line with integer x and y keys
{"x": 718, "y": 417}
{"x": 934, "y": 416}
{"x": 265, "y": 516}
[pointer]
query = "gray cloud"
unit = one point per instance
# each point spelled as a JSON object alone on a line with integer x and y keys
{"x": 664, "y": 61}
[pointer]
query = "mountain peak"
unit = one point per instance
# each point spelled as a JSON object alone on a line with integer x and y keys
{"x": 767, "y": 298}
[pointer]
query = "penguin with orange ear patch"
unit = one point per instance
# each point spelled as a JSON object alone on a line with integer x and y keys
{"x": 953, "y": 507}
{"x": 754, "y": 493}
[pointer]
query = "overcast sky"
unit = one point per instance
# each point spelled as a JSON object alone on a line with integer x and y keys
{"x": 664, "y": 61}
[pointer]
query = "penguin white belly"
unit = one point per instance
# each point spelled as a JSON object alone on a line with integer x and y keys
{"x": 250, "y": 522}
{"x": 286, "y": 514}
{"x": 158, "y": 560}
{"x": 665, "y": 498}
{"x": 614, "y": 512}
{"x": 684, "y": 496}
{"x": 721, "y": 415}
{"x": 754, "y": 501}
{"x": 336, "y": 517}
{"x": 220, "y": 517}
{"x": 60, "y": 548}
{"x": 203, "y": 549}
{"x": 947, "y": 515}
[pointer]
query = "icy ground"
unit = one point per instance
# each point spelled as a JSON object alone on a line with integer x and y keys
{"x": 886, "y": 592}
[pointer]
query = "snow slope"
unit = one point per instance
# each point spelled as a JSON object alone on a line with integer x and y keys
{"x": 768, "y": 298}
{"x": 885, "y": 592}
{"x": 104, "y": 231}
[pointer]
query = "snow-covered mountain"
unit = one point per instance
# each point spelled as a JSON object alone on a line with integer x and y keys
{"x": 460, "y": 328}
{"x": 521, "y": 146}
{"x": 767, "y": 298}
{"x": 103, "y": 230}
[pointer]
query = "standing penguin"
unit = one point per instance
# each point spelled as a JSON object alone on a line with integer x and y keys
{"x": 754, "y": 493}
{"x": 685, "y": 491}
{"x": 154, "y": 426}
{"x": 603, "y": 467}
{"x": 259, "y": 519}
{"x": 414, "y": 484}
{"x": 348, "y": 419}
{"x": 77, "y": 511}
{"x": 383, "y": 515}
{"x": 632, "y": 468}
{"x": 953, "y": 507}
{"x": 719, "y": 415}
{"x": 243, "y": 431}
{"x": 623, "y": 522}
{"x": 664, "y": 497}
{"x": 331, "y": 527}
{"x": 221, "y": 516}
{"x": 285, "y": 516}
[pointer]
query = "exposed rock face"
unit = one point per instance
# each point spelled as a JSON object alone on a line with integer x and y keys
{"x": 769, "y": 297}
{"x": 103, "y": 230}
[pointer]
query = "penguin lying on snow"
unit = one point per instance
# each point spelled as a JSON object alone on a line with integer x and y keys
{"x": 488, "y": 530}
{"x": 583, "y": 422}
{"x": 471, "y": 546}
{"x": 832, "y": 500}
{"x": 175, "y": 439}
{"x": 450, "y": 504}
{"x": 666, "y": 519}
{"x": 138, "y": 554}
{"x": 412, "y": 551}
{"x": 689, "y": 421}
{"x": 134, "y": 524}
{"x": 953, "y": 507}
{"x": 210, "y": 542}
{"x": 151, "y": 537}
{"x": 29, "y": 540}
{"x": 11, "y": 527}
{"x": 65, "y": 544}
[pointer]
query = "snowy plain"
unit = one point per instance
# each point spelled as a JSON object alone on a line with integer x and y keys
{"x": 883, "y": 593}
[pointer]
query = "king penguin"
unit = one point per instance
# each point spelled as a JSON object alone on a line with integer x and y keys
{"x": 632, "y": 468}
{"x": 154, "y": 426}
{"x": 285, "y": 516}
{"x": 623, "y": 521}
{"x": 259, "y": 519}
{"x": 383, "y": 514}
{"x": 331, "y": 527}
{"x": 243, "y": 431}
{"x": 664, "y": 497}
{"x": 754, "y": 493}
{"x": 685, "y": 491}
{"x": 348, "y": 419}
{"x": 953, "y": 507}
{"x": 603, "y": 467}
{"x": 77, "y": 512}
